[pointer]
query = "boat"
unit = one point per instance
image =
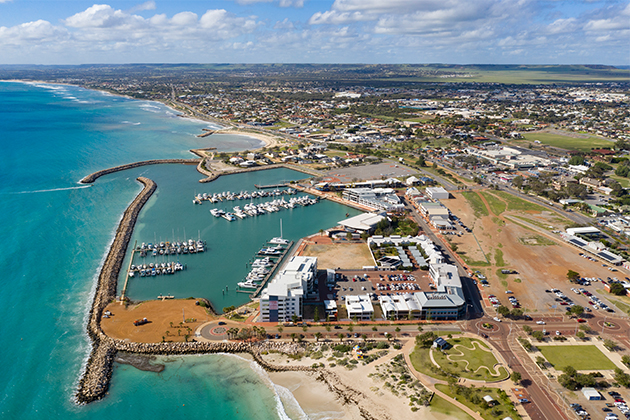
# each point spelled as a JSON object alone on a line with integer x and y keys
{"x": 217, "y": 212}
{"x": 247, "y": 285}
{"x": 229, "y": 217}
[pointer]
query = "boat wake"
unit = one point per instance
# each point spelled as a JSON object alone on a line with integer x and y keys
{"x": 49, "y": 190}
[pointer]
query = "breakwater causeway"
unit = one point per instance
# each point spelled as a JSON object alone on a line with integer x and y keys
{"x": 94, "y": 382}
{"x": 96, "y": 175}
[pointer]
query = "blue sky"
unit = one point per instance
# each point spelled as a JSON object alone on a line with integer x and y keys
{"x": 316, "y": 31}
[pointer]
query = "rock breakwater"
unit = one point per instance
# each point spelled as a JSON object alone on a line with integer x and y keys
{"x": 94, "y": 176}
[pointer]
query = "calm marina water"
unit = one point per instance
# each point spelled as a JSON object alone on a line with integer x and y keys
{"x": 56, "y": 234}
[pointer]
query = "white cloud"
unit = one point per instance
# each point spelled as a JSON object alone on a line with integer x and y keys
{"x": 31, "y": 32}
{"x": 281, "y": 3}
{"x": 147, "y": 5}
{"x": 284, "y": 24}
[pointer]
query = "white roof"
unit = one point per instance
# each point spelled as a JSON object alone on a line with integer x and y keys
{"x": 363, "y": 221}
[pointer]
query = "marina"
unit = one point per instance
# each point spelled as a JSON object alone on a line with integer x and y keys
{"x": 264, "y": 265}
{"x": 253, "y": 210}
{"x": 243, "y": 195}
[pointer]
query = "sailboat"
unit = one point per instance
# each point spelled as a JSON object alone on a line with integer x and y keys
{"x": 279, "y": 241}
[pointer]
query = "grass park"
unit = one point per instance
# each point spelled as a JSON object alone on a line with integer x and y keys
{"x": 580, "y": 357}
{"x": 440, "y": 405}
{"x": 473, "y": 399}
{"x": 471, "y": 359}
{"x": 582, "y": 143}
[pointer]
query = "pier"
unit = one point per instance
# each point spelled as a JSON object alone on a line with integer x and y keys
{"x": 264, "y": 187}
{"x": 262, "y": 285}
{"x": 124, "y": 290}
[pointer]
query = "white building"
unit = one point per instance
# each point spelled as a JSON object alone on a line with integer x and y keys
{"x": 365, "y": 222}
{"x": 437, "y": 193}
{"x": 375, "y": 198}
{"x": 359, "y": 307}
{"x": 283, "y": 297}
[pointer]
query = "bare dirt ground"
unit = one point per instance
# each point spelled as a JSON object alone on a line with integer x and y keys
{"x": 160, "y": 315}
{"x": 521, "y": 241}
{"x": 346, "y": 256}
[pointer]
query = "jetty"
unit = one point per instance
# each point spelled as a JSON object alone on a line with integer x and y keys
{"x": 264, "y": 187}
{"x": 206, "y": 132}
{"x": 255, "y": 293}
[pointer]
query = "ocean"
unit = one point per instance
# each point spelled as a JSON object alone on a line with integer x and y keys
{"x": 58, "y": 233}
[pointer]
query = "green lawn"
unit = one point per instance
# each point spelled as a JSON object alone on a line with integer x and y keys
{"x": 421, "y": 361}
{"x": 470, "y": 359}
{"x": 496, "y": 206}
{"x": 440, "y": 405}
{"x": 501, "y": 410}
{"x": 476, "y": 203}
{"x": 515, "y": 203}
{"x": 569, "y": 143}
{"x": 580, "y": 357}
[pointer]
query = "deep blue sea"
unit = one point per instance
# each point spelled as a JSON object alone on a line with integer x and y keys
{"x": 58, "y": 232}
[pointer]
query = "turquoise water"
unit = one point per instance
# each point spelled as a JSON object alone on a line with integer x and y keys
{"x": 230, "y": 245}
{"x": 55, "y": 236}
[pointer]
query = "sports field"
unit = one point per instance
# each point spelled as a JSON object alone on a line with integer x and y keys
{"x": 580, "y": 357}
{"x": 567, "y": 142}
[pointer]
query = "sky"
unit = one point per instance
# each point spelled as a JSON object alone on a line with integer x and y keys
{"x": 316, "y": 31}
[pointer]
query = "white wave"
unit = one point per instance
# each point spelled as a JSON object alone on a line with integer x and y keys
{"x": 132, "y": 123}
{"x": 70, "y": 97}
{"x": 286, "y": 394}
{"x": 50, "y": 190}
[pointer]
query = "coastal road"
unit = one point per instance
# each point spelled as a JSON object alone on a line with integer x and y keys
{"x": 503, "y": 338}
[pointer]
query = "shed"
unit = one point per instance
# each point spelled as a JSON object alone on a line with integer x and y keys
{"x": 591, "y": 394}
{"x": 488, "y": 399}
{"x": 440, "y": 343}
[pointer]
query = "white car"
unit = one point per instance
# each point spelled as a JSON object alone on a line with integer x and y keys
{"x": 540, "y": 322}
{"x": 496, "y": 319}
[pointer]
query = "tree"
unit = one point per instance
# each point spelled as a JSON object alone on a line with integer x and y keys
{"x": 518, "y": 182}
{"x": 294, "y": 318}
{"x": 280, "y": 329}
{"x": 503, "y": 310}
{"x": 576, "y": 160}
{"x": 576, "y": 310}
{"x": 316, "y": 314}
{"x": 350, "y": 328}
{"x": 580, "y": 335}
{"x": 318, "y": 335}
{"x": 622, "y": 378}
{"x": 293, "y": 335}
{"x": 617, "y": 289}
{"x": 340, "y": 336}
{"x": 328, "y": 327}
{"x": 364, "y": 337}
{"x": 610, "y": 344}
{"x": 538, "y": 335}
{"x": 573, "y": 276}
{"x": 527, "y": 329}
{"x": 625, "y": 359}
{"x": 516, "y": 377}
{"x": 426, "y": 340}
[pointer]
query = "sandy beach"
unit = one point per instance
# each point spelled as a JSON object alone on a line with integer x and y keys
{"x": 269, "y": 139}
{"x": 368, "y": 397}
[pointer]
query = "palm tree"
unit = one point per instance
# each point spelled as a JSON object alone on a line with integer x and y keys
{"x": 328, "y": 327}
{"x": 318, "y": 335}
{"x": 397, "y": 330}
{"x": 340, "y": 336}
{"x": 364, "y": 337}
{"x": 350, "y": 328}
{"x": 280, "y": 329}
{"x": 293, "y": 335}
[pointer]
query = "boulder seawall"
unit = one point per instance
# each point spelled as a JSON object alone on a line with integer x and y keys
{"x": 96, "y": 175}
